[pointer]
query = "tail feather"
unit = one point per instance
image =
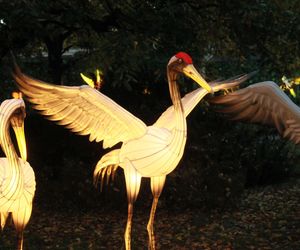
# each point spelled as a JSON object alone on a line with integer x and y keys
{"x": 106, "y": 167}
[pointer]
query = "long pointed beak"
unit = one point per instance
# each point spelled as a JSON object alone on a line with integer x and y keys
{"x": 20, "y": 135}
{"x": 191, "y": 72}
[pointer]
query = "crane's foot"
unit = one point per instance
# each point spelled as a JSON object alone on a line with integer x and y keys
{"x": 150, "y": 229}
{"x": 151, "y": 243}
{"x": 127, "y": 235}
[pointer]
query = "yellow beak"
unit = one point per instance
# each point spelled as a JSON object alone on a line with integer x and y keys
{"x": 20, "y": 135}
{"x": 192, "y": 73}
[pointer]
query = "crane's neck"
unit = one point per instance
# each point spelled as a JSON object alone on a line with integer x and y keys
{"x": 173, "y": 88}
{"x": 12, "y": 177}
{"x": 8, "y": 147}
{"x": 176, "y": 99}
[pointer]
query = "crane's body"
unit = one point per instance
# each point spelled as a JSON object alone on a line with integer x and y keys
{"x": 162, "y": 150}
{"x": 12, "y": 190}
{"x": 146, "y": 151}
{"x": 17, "y": 180}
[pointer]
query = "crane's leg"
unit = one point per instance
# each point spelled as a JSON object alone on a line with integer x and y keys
{"x": 21, "y": 218}
{"x": 133, "y": 183}
{"x": 127, "y": 235}
{"x": 157, "y": 184}
{"x": 20, "y": 240}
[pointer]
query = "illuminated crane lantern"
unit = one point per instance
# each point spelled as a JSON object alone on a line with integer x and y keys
{"x": 146, "y": 151}
{"x": 17, "y": 180}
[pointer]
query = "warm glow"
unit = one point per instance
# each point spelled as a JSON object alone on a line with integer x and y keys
{"x": 289, "y": 84}
{"x": 146, "y": 91}
{"x": 297, "y": 80}
{"x": 17, "y": 95}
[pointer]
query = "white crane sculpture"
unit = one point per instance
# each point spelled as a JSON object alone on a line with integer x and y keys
{"x": 17, "y": 180}
{"x": 263, "y": 103}
{"x": 146, "y": 151}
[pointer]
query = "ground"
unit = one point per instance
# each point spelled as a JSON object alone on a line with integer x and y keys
{"x": 266, "y": 218}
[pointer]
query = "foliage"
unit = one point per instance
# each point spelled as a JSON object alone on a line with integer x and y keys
{"x": 131, "y": 41}
{"x": 130, "y": 38}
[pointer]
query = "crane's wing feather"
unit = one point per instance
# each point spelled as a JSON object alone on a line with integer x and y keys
{"x": 263, "y": 103}
{"x": 191, "y": 99}
{"x": 82, "y": 109}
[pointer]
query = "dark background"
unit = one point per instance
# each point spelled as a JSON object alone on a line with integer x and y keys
{"x": 131, "y": 42}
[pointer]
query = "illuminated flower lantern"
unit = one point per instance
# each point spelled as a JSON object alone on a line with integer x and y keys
{"x": 263, "y": 103}
{"x": 17, "y": 186}
{"x": 96, "y": 81}
{"x": 146, "y": 151}
{"x": 290, "y": 84}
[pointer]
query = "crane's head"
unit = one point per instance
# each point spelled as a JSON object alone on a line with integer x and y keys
{"x": 17, "y": 122}
{"x": 13, "y": 114}
{"x": 183, "y": 63}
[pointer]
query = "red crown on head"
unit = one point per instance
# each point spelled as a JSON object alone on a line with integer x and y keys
{"x": 185, "y": 57}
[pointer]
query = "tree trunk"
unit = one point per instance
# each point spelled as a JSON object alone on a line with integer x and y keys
{"x": 55, "y": 50}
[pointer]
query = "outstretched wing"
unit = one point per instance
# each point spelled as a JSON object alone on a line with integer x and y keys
{"x": 191, "y": 99}
{"x": 263, "y": 103}
{"x": 82, "y": 109}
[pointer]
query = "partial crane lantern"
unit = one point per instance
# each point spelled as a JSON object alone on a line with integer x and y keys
{"x": 146, "y": 151}
{"x": 17, "y": 180}
{"x": 263, "y": 103}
